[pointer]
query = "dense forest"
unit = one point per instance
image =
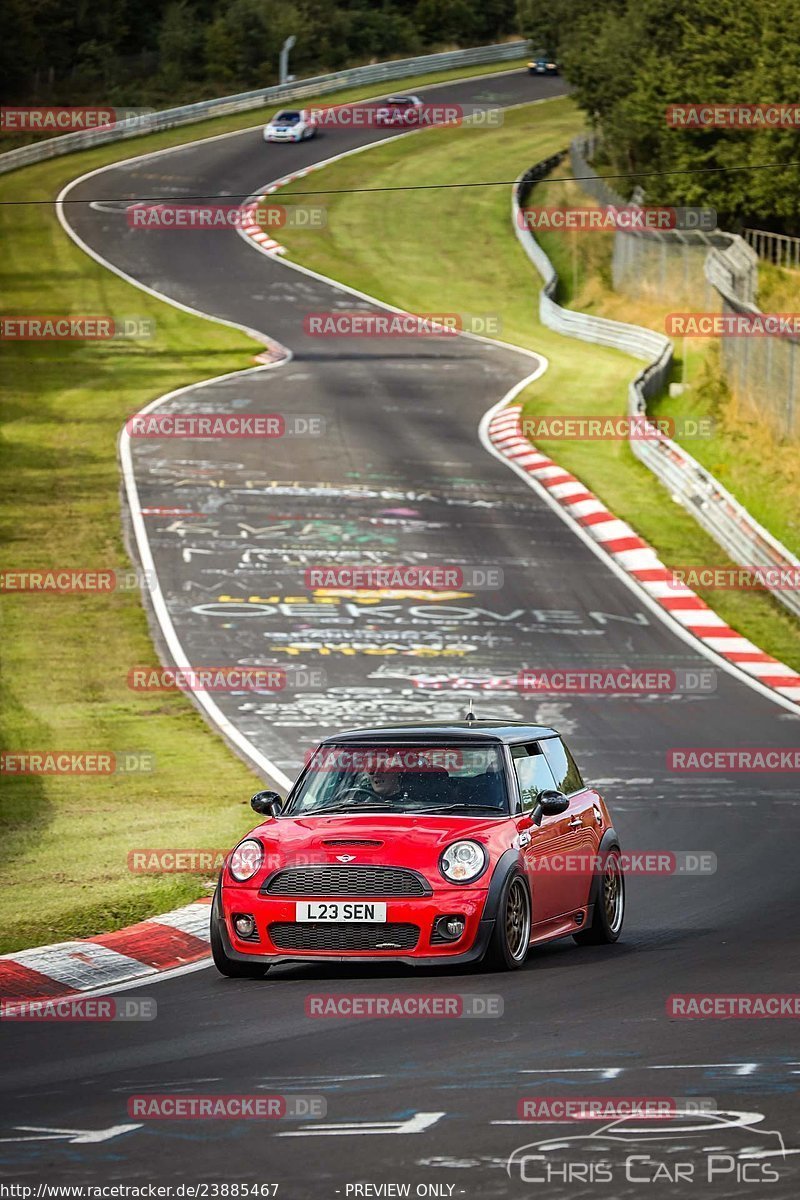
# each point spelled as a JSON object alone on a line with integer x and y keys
{"x": 159, "y": 52}
{"x": 628, "y": 59}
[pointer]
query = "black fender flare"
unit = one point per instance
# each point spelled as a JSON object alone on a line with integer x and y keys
{"x": 510, "y": 860}
{"x": 216, "y": 902}
{"x": 608, "y": 840}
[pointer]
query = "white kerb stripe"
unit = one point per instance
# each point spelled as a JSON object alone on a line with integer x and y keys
{"x": 586, "y": 508}
{"x": 640, "y": 559}
{"x": 81, "y": 964}
{"x": 193, "y": 919}
{"x": 607, "y": 531}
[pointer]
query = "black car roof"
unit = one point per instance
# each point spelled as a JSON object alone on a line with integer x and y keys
{"x": 440, "y": 732}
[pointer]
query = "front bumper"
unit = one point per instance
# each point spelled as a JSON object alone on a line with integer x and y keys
{"x": 420, "y": 912}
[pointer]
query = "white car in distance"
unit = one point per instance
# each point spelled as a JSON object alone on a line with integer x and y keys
{"x": 290, "y": 125}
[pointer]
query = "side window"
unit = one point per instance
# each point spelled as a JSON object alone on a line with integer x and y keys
{"x": 565, "y": 770}
{"x": 533, "y": 773}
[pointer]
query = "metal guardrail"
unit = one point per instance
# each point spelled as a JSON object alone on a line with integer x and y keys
{"x": 712, "y": 506}
{"x": 777, "y": 248}
{"x": 318, "y": 85}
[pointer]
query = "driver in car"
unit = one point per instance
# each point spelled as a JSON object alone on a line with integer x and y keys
{"x": 385, "y": 784}
{"x": 425, "y": 787}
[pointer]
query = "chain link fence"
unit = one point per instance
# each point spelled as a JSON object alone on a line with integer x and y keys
{"x": 707, "y": 273}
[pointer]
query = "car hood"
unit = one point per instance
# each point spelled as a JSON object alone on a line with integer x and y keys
{"x": 387, "y": 839}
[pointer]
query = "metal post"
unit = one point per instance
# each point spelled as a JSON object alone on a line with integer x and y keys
{"x": 283, "y": 69}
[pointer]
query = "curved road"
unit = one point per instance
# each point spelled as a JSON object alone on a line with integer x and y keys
{"x": 401, "y": 476}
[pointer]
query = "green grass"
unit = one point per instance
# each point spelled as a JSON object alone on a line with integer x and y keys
{"x": 454, "y": 249}
{"x": 65, "y": 659}
{"x": 778, "y": 288}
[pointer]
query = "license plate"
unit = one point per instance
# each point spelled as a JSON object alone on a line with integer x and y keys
{"x": 341, "y": 910}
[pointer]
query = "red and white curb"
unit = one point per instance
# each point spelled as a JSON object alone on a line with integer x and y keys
{"x": 637, "y": 558}
{"x": 141, "y": 951}
{"x": 250, "y": 226}
{"x": 252, "y": 229}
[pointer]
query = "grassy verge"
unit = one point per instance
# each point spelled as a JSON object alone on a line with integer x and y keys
{"x": 65, "y": 659}
{"x": 778, "y": 288}
{"x": 454, "y": 249}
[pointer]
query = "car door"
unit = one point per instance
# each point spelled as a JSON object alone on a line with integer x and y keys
{"x": 553, "y": 890}
{"x": 584, "y": 817}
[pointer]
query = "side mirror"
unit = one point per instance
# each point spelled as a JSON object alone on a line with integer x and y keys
{"x": 266, "y": 804}
{"x": 549, "y": 804}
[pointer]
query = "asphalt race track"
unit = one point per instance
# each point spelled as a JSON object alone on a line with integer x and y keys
{"x": 400, "y": 475}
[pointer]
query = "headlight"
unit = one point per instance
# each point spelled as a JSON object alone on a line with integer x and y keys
{"x": 246, "y": 859}
{"x": 463, "y": 862}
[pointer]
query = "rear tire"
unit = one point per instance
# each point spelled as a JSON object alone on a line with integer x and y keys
{"x": 510, "y": 940}
{"x": 609, "y": 908}
{"x": 231, "y": 967}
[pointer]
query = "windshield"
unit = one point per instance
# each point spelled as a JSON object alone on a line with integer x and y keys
{"x": 287, "y": 118}
{"x": 402, "y": 779}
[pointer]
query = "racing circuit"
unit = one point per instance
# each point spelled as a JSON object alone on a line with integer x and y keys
{"x": 402, "y": 471}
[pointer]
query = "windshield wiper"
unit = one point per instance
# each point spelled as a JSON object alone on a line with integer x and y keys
{"x": 351, "y": 808}
{"x": 452, "y": 807}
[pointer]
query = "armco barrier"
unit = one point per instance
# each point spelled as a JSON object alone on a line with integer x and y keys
{"x": 319, "y": 85}
{"x": 712, "y": 506}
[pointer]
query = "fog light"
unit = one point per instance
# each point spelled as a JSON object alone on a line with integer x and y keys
{"x": 449, "y": 928}
{"x": 244, "y": 925}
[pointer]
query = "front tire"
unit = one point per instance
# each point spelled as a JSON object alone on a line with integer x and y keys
{"x": 609, "y": 908}
{"x": 231, "y": 967}
{"x": 508, "y": 947}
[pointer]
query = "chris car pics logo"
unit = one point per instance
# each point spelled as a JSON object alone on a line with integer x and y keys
{"x": 694, "y": 1146}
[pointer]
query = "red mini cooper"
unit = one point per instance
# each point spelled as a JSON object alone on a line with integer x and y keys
{"x": 423, "y": 844}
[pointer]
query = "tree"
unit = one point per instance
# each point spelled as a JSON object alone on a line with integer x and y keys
{"x": 629, "y": 60}
{"x": 443, "y": 21}
{"x": 179, "y": 45}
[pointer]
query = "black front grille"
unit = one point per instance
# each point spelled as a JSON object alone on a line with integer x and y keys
{"x": 350, "y": 842}
{"x": 326, "y": 935}
{"x": 346, "y": 881}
